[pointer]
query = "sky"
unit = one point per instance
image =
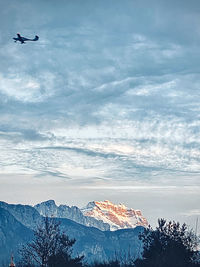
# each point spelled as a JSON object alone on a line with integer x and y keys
{"x": 106, "y": 105}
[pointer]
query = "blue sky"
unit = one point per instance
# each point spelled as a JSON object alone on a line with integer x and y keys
{"x": 106, "y": 105}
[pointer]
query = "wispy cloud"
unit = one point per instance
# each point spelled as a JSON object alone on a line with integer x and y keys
{"x": 103, "y": 98}
{"x": 194, "y": 212}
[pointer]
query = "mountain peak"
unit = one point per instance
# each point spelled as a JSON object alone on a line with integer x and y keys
{"x": 109, "y": 205}
{"x": 117, "y": 216}
{"x": 47, "y": 208}
{"x": 49, "y": 203}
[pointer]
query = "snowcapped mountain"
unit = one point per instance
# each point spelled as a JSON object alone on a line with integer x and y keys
{"x": 103, "y": 215}
{"x": 117, "y": 216}
{"x": 49, "y": 208}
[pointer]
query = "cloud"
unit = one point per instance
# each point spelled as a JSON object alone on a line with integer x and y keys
{"x": 25, "y": 88}
{"x": 103, "y": 99}
{"x": 194, "y": 212}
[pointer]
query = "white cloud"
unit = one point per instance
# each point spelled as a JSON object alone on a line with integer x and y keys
{"x": 101, "y": 98}
{"x": 25, "y": 88}
{"x": 193, "y": 212}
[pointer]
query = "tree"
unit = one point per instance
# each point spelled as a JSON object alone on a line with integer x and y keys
{"x": 170, "y": 245}
{"x": 50, "y": 247}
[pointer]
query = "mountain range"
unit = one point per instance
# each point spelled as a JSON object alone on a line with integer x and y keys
{"x": 92, "y": 233}
{"x": 49, "y": 208}
{"x": 103, "y": 215}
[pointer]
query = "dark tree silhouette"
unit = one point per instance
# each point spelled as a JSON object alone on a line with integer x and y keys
{"x": 113, "y": 263}
{"x": 50, "y": 247}
{"x": 170, "y": 245}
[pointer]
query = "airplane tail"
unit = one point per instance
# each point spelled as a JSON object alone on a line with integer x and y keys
{"x": 36, "y": 38}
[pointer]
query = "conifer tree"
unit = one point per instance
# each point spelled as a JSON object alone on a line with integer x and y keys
{"x": 170, "y": 245}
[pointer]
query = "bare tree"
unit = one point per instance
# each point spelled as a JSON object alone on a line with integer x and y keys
{"x": 49, "y": 246}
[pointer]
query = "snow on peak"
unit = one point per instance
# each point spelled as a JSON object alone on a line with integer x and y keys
{"x": 117, "y": 216}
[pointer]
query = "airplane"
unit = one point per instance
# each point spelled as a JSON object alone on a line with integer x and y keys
{"x": 23, "y": 39}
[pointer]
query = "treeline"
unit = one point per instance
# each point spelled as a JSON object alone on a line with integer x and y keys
{"x": 169, "y": 245}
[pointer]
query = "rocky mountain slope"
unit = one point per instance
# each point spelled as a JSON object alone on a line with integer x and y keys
{"x": 49, "y": 208}
{"x": 117, "y": 216}
{"x": 12, "y": 235}
{"x": 24, "y": 214}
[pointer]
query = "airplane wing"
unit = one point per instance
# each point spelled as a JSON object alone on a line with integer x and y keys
{"x": 20, "y": 38}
